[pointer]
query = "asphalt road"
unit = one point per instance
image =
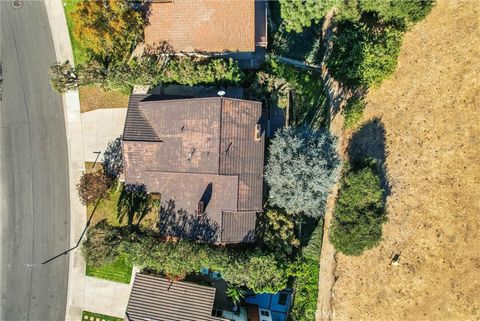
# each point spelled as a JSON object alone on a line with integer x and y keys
{"x": 34, "y": 198}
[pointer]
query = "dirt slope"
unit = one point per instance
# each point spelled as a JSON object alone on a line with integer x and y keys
{"x": 430, "y": 114}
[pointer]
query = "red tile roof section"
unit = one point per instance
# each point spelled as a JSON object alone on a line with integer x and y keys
{"x": 203, "y": 25}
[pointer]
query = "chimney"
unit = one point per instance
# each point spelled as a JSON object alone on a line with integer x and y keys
{"x": 200, "y": 208}
{"x": 258, "y": 132}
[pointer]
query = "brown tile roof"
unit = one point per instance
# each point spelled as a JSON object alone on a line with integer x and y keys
{"x": 200, "y": 142}
{"x": 238, "y": 226}
{"x": 203, "y": 25}
{"x": 156, "y": 298}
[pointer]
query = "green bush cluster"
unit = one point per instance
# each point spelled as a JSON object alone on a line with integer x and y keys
{"x": 306, "y": 270}
{"x": 367, "y": 43}
{"x": 359, "y": 211}
{"x": 353, "y": 112}
{"x": 147, "y": 70}
{"x": 253, "y": 268}
{"x": 364, "y": 56}
{"x": 298, "y": 14}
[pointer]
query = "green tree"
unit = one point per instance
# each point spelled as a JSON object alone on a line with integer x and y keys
{"x": 108, "y": 29}
{"x": 359, "y": 211}
{"x": 301, "y": 169}
{"x": 279, "y": 232}
{"x": 252, "y": 268}
{"x": 63, "y": 77}
{"x": 92, "y": 187}
{"x": 298, "y": 14}
{"x": 363, "y": 55}
{"x": 402, "y": 12}
{"x": 102, "y": 244}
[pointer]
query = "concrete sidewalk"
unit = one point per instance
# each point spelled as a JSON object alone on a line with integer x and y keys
{"x": 100, "y": 127}
{"x": 76, "y": 158}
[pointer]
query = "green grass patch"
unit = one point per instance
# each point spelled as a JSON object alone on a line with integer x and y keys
{"x": 80, "y": 54}
{"x": 353, "y": 112}
{"x": 106, "y": 208}
{"x": 119, "y": 271}
{"x": 87, "y": 315}
{"x": 306, "y": 271}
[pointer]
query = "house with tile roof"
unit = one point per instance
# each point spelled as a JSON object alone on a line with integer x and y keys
{"x": 156, "y": 298}
{"x": 210, "y": 27}
{"x": 205, "y": 158}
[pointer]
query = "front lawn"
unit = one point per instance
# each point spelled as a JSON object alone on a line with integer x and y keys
{"x": 119, "y": 271}
{"x": 90, "y": 316}
{"x": 80, "y": 54}
{"x": 93, "y": 97}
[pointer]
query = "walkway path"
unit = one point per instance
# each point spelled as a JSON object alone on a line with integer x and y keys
{"x": 337, "y": 98}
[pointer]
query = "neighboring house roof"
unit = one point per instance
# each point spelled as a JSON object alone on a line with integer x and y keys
{"x": 203, "y": 25}
{"x": 202, "y": 149}
{"x": 156, "y": 298}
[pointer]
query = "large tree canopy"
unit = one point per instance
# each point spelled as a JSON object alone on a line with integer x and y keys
{"x": 108, "y": 28}
{"x": 364, "y": 55}
{"x": 302, "y": 167}
{"x": 298, "y": 14}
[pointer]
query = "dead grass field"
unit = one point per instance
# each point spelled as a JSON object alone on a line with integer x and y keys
{"x": 430, "y": 112}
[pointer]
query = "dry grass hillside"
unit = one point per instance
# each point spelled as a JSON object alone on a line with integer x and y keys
{"x": 429, "y": 113}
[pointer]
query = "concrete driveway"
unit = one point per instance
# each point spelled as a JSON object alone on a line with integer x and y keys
{"x": 100, "y": 127}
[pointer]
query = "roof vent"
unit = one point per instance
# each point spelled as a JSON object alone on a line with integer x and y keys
{"x": 189, "y": 158}
{"x": 258, "y": 132}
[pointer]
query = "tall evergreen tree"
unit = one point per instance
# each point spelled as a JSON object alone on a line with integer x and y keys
{"x": 302, "y": 167}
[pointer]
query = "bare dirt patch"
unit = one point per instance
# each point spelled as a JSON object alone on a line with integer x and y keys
{"x": 430, "y": 112}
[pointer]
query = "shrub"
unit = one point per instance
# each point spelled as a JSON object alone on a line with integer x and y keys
{"x": 353, "y": 112}
{"x": 363, "y": 55}
{"x": 402, "y": 12}
{"x": 302, "y": 167}
{"x": 279, "y": 232}
{"x": 306, "y": 270}
{"x": 93, "y": 186}
{"x": 146, "y": 70}
{"x": 252, "y": 268}
{"x": 359, "y": 211}
{"x": 108, "y": 29}
{"x": 298, "y": 14}
{"x": 399, "y": 13}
